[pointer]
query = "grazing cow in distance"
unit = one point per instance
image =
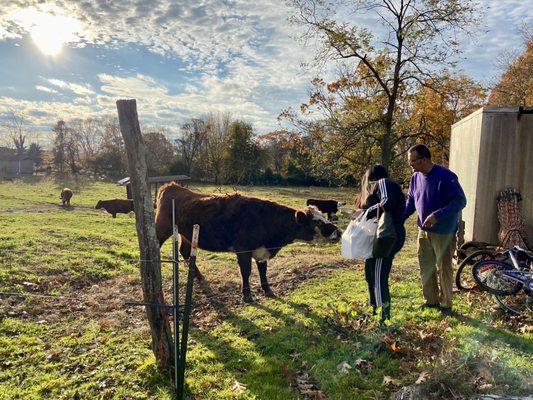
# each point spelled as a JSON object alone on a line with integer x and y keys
{"x": 116, "y": 206}
{"x": 328, "y": 207}
{"x": 65, "y": 196}
{"x": 250, "y": 227}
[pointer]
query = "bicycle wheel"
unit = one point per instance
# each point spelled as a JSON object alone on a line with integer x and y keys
{"x": 519, "y": 304}
{"x": 490, "y": 276}
{"x": 463, "y": 276}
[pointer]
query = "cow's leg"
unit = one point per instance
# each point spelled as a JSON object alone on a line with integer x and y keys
{"x": 262, "y": 268}
{"x": 329, "y": 216}
{"x": 245, "y": 264}
{"x": 185, "y": 251}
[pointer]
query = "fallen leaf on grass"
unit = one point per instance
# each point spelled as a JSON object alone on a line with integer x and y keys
{"x": 363, "y": 364}
{"x": 387, "y": 380}
{"x": 344, "y": 367}
{"x": 238, "y": 387}
{"x": 295, "y": 355}
{"x": 422, "y": 377}
{"x": 423, "y": 335}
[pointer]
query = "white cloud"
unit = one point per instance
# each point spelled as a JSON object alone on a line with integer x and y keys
{"x": 243, "y": 54}
{"x": 45, "y": 89}
{"x": 73, "y": 87}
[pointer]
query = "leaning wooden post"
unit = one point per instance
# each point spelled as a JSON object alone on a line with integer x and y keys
{"x": 146, "y": 234}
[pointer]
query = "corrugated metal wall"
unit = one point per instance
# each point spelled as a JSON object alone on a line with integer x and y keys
{"x": 491, "y": 149}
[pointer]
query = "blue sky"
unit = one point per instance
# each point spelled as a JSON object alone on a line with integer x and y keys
{"x": 181, "y": 59}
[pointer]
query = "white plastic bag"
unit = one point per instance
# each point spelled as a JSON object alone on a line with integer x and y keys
{"x": 358, "y": 238}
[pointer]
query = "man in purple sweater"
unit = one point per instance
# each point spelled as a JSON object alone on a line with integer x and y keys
{"x": 437, "y": 197}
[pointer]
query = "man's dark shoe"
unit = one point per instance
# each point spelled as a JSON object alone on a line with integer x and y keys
{"x": 446, "y": 310}
{"x": 429, "y": 305}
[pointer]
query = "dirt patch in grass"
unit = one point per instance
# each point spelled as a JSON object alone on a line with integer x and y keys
{"x": 214, "y": 298}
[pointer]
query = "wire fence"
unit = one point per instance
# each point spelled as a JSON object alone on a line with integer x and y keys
{"x": 18, "y": 254}
{"x": 221, "y": 296}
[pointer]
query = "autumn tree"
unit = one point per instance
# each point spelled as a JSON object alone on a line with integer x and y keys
{"x": 16, "y": 126}
{"x": 342, "y": 118}
{"x": 433, "y": 111}
{"x": 515, "y": 87}
{"x": 216, "y": 143}
{"x": 192, "y": 138}
{"x": 87, "y": 134}
{"x": 59, "y": 146}
{"x": 111, "y": 158}
{"x": 160, "y": 153}
{"x": 279, "y": 145}
{"x": 35, "y": 153}
{"x": 244, "y": 159}
{"x": 414, "y": 42}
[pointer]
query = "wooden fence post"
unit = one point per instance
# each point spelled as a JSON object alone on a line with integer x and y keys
{"x": 148, "y": 244}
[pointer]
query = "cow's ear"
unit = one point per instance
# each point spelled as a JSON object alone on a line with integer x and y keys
{"x": 301, "y": 217}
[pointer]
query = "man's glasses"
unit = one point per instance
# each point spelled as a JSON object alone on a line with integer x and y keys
{"x": 414, "y": 160}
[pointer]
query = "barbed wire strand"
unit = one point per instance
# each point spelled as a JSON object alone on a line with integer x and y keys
{"x": 208, "y": 297}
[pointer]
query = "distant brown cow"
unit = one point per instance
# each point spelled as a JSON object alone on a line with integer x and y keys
{"x": 247, "y": 226}
{"x": 65, "y": 196}
{"x": 116, "y": 206}
{"x": 329, "y": 207}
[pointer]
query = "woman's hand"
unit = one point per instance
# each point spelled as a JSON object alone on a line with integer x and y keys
{"x": 357, "y": 213}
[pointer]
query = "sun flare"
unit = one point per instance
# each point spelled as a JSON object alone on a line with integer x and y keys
{"x": 48, "y": 39}
{"x": 49, "y": 28}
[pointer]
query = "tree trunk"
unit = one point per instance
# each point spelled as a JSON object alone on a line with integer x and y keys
{"x": 148, "y": 243}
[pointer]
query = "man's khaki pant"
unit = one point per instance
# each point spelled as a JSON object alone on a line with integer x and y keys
{"x": 435, "y": 252}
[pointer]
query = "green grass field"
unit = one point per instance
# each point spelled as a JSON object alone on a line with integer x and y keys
{"x": 315, "y": 341}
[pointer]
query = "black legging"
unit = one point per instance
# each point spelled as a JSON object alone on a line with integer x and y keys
{"x": 377, "y": 272}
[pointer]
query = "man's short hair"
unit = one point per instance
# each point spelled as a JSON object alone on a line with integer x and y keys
{"x": 421, "y": 150}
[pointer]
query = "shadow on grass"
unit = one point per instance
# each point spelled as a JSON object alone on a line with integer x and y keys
{"x": 492, "y": 334}
{"x": 269, "y": 377}
{"x": 281, "y": 337}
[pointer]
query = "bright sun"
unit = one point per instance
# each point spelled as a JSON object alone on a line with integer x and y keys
{"x": 48, "y": 38}
{"x": 49, "y": 28}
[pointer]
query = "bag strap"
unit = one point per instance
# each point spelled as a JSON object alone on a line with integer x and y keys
{"x": 380, "y": 195}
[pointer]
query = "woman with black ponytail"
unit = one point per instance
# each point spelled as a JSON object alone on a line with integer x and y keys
{"x": 381, "y": 194}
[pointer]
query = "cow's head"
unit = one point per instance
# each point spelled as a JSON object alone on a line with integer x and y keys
{"x": 99, "y": 205}
{"x": 314, "y": 227}
{"x": 338, "y": 205}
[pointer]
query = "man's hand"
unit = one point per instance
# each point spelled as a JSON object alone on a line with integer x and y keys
{"x": 430, "y": 221}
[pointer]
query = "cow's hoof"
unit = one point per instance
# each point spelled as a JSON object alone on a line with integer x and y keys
{"x": 270, "y": 293}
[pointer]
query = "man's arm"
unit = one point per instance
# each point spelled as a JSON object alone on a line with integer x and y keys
{"x": 456, "y": 199}
{"x": 410, "y": 202}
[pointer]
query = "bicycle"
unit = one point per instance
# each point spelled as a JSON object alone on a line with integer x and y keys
{"x": 467, "y": 255}
{"x": 463, "y": 277}
{"x": 508, "y": 276}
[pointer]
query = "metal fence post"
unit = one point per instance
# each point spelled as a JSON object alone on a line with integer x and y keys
{"x": 188, "y": 306}
{"x": 175, "y": 280}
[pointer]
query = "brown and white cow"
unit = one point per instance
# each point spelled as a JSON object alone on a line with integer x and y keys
{"x": 328, "y": 207}
{"x": 250, "y": 227}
